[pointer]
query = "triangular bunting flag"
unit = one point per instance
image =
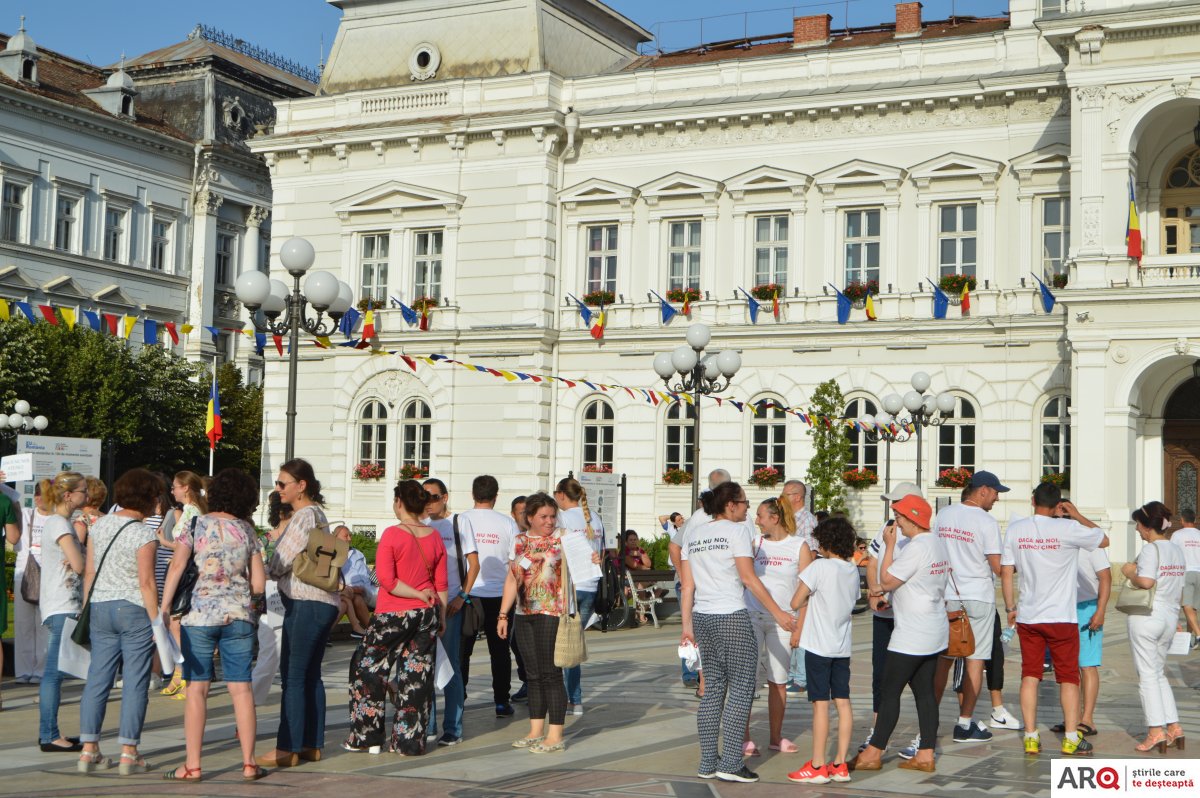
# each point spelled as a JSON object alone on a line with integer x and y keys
{"x": 278, "y": 339}
{"x": 111, "y": 321}
{"x": 213, "y": 332}
{"x": 92, "y": 319}
{"x": 48, "y": 314}
{"x": 27, "y": 310}
{"x": 68, "y": 315}
{"x": 150, "y": 332}
{"x": 171, "y": 331}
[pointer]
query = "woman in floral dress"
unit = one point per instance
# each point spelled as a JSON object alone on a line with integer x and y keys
{"x": 228, "y": 556}
{"x": 410, "y": 611}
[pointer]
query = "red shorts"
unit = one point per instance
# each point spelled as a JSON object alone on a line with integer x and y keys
{"x": 1063, "y": 642}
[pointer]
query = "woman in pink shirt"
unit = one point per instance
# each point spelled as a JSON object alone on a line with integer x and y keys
{"x": 409, "y": 612}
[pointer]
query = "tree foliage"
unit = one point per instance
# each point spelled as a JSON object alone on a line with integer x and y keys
{"x": 146, "y": 404}
{"x": 831, "y": 449}
{"x": 241, "y": 422}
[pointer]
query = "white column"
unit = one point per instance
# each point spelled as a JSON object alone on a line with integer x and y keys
{"x": 985, "y": 243}
{"x": 203, "y": 273}
{"x": 1087, "y": 198}
{"x": 1026, "y": 243}
{"x": 889, "y": 271}
{"x": 252, "y": 254}
{"x": 926, "y": 264}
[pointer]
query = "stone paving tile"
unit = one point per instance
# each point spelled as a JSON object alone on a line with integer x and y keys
{"x": 636, "y": 738}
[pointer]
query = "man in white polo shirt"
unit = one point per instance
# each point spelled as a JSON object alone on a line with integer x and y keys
{"x": 972, "y": 539}
{"x": 1187, "y": 538}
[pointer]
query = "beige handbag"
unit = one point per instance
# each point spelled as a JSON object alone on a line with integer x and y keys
{"x": 1135, "y": 600}
{"x": 320, "y": 564}
{"x": 570, "y": 649}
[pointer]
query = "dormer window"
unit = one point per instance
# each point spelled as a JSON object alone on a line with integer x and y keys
{"x": 127, "y": 106}
{"x": 29, "y": 70}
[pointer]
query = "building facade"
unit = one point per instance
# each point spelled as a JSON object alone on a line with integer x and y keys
{"x": 501, "y": 158}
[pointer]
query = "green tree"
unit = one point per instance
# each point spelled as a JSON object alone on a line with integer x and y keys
{"x": 241, "y": 422}
{"x": 832, "y": 449}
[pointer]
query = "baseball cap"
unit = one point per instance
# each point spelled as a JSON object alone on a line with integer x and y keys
{"x": 915, "y": 509}
{"x": 986, "y": 479}
{"x": 901, "y": 490}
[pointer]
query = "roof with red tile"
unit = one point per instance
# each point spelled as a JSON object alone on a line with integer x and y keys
{"x": 839, "y": 40}
{"x": 64, "y": 80}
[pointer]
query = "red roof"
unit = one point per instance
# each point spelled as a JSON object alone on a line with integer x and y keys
{"x": 64, "y": 79}
{"x": 839, "y": 40}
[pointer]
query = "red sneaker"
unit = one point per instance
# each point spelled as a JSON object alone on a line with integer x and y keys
{"x": 810, "y": 774}
{"x": 839, "y": 773}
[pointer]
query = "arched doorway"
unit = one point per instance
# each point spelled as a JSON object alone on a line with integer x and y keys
{"x": 1181, "y": 447}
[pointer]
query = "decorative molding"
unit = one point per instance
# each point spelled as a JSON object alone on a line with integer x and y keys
{"x": 1124, "y": 95}
{"x": 1089, "y": 41}
{"x": 1089, "y": 96}
{"x": 208, "y": 202}
{"x": 598, "y": 191}
{"x": 859, "y": 173}
{"x": 955, "y": 166}
{"x": 397, "y": 198}
{"x": 767, "y": 178}
{"x": 256, "y": 215}
{"x": 679, "y": 184}
{"x": 1055, "y": 158}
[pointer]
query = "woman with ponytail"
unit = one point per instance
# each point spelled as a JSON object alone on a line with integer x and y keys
{"x": 61, "y": 595}
{"x": 574, "y": 515}
{"x": 187, "y": 489}
{"x": 1160, "y": 565}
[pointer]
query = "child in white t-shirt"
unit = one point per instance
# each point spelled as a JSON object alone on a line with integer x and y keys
{"x": 830, "y": 588}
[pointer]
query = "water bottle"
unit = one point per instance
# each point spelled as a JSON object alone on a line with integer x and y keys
{"x": 1007, "y": 635}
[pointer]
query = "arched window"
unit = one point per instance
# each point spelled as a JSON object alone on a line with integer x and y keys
{"x": 768, "y": 437}
{"x": 599, "y": 433}
{"x": 372, "y": 434}
{"x": 956, "y": 437}
{"x": 416, "y": 432}
{"x": 863, "y": 453}
{"x": 1056, "y": 435}
{"x": 1180, "y": 206}
{"x": 681, "y": 440}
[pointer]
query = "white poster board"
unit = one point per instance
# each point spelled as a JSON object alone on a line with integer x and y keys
{"x": 604, "y": 498}
{"x": 52, "y": 454}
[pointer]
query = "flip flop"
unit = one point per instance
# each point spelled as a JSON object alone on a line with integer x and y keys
{"x": 750, "y": 749}
{"x": 785, "y": 746}
{"x": 1086, "y": 730}
{"x": 1059, "y": 728}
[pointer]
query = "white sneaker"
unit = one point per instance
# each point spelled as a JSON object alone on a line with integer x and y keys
{"x": 1004, "y": 720}
{"x": 156, "y": 681}
{"x": 576, "y": 709}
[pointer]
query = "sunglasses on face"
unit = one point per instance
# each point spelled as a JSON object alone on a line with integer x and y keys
{"x": 282, "y": 485}
{"x": 436, "y": 497}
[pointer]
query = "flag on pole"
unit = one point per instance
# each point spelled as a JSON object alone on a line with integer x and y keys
{"x": 1133, "y": 232}
{"x": 843, "y": 305}
{"x": 687, "y": 302}
{"x": 775, "y": 304}
{"x": 585, "y": 312}
{"x": 941, "y": 302}
{"x": 212, "y": 420}
{"x": 870, "y": 306}
{"x": 349, "y": 322}
{"x": 598, "y": 324}
{"x": 1048, "y": 299}
{"x": 751, "y": 303}
{"x": 368, "y": 330}
{"x": 668, "y": 310}
{"x": 423, "y": 326}
{"x": 965, "y": 302}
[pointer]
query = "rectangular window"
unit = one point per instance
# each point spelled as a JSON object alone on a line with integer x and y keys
{"x": 602, "y": 258}
{"x": 770, "y": 250}
{"x": 684, "y": 254}
{"x": 160, "y": 246}
{"x": 1053, "y": 8}
{"x": 863, "y": 238}
{"x": 226, "y": 352}
{"x": 224, "y": 258}
{"x": 1181, "y": 230}
{"x": 64, "y": 223}
{"x": 114, "y": 234}
{"x": 956, "y": 239}
{"x": 373, "y": 265}
{"x": 1056, "y": 235}
{"x": 427, "y": 268}
{"x": 12, "y": 212}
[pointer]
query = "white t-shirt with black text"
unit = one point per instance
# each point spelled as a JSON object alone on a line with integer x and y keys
{"x": 1188, "y": 541}
{"x": 62, "y": 588}
{"x": 834, "y": 585}
{"x": 1091, "y": 564}
{"x": 1163, "y": 561}
{"x": 970, "y": 535}
{"x": 777, "y": 563}
{"x": 710, "y": 550}
{"x": 493, "y": 533}
{"x": 920, "y": 602}
{"x": 1044, "y": 552}
{"x": 875, "y": 549}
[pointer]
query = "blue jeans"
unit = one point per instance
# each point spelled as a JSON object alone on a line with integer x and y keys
{"x": 797, "y": 672}
{"x": 455, "y": 692}
{"x": 50, "y": 690}
{"x": 235, "y": 641}
{"x": 306, "y": 627}
{"x": 121, "y": 638}
{"x": 584, "y": 599}
{"x": 688, "y": 674}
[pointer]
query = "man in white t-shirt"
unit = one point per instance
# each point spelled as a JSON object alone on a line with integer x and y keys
{"x": 972, "y": 539}
{"x": 493, "y": 533}
{"x": 1044, "y": 550}
{"x": 796, "y": 493}
{"x": 1187, "y": 538}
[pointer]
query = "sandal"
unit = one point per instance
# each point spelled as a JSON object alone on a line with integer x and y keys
{"x": 527, "y": 742}
{"x": 172, "y": 687}
{"x": 785, "y": 746}
{"x": 132, "y": 763}
{"x": 258, "y": 772}
{"x": 750, "y": 749}
{"x": 1059, "y": 728}
{"x": 1086, "y": 730}
{"x": 173, "y": 775}
{"x": 90, "y": 761}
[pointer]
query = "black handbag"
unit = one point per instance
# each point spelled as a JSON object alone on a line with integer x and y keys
{"x": 181, "y": 602}
{"x": 82, "y": 636}
{"x": 472, "y": 611}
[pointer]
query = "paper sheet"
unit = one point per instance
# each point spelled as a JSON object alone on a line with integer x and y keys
{"x": 73, "y": 659}
{"x": 1181, "y": 644}
{"x": 169, "y": 654}
{"x": 443, "y": 669}
{"x": 17, "y": 467}
{"x": 578, "y": 550}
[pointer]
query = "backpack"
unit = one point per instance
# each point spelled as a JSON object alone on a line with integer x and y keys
{"x": 608, "y": 593}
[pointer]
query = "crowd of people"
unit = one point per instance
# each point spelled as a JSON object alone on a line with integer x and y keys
{"x": 767, "y": 594}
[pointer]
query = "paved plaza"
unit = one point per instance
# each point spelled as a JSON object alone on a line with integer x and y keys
{"x": 636, "y": 738}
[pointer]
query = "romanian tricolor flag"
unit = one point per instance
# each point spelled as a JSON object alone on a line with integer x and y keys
{"x": 424, "y": 324}
{"x": 1133, "y": 230}
{"x": 598, "y": 324}
{"x": 687, "y": 302}
{"x": 775, "y": 304}
{"x": 870, "y": 306}
{"x": 212, "y": 421}
{"x": 368, "y": 330}
{"x": 965, "y": 303}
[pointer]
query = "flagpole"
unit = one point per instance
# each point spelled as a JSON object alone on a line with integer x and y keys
{"x": 212, "y": 445}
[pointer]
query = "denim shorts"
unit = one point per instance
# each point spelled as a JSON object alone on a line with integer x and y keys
{"x": 235, "y": 640}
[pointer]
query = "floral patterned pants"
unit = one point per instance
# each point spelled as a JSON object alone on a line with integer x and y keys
{"x": 409, "y": 637}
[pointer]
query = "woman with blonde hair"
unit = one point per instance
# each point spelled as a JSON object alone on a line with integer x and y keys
{"x": 187, "y": 489}
{"x": 61, "y": 595}
{"x": 778, "y": 561}
{"x": 574, "y": 515}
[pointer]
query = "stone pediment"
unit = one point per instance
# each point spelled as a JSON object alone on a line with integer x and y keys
{"x": 859, "y": 173}
{"x": 397, "y": 198}
{"x": 64, "y": 285}
{"x": 954, "y": 165}
{"x": 113, "y": 295}
{"x": 1054, "y": 159}
{"x": 679, "y": 184}
{"x": 767, "y": 178}
{"x": 11, "y": 276}
{"x": 598, "y": 191}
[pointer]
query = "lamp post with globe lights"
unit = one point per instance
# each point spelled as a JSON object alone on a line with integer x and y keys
{"x": 699, "y": 374}
{"x": 924, "y": 410}
{"x": 322, "y": 290}
{"x": 878, "y": 428}
{"x": 20, "y": 421}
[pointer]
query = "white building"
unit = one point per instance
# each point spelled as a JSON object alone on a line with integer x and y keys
{"x": 500, "y": 156}
{"x": 130, "y": 190}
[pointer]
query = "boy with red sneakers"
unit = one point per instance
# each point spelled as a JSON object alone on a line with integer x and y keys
{"x": 830, "y": 587}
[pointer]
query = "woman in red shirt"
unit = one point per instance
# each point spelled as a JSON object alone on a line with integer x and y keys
{"x": 410, "y": 610}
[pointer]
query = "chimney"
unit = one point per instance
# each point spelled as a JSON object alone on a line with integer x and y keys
{"x": 908, "y": 20}
{"x": 810, "y": 31}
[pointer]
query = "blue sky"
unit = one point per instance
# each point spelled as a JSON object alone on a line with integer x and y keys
{"x": 98, "y": 32}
